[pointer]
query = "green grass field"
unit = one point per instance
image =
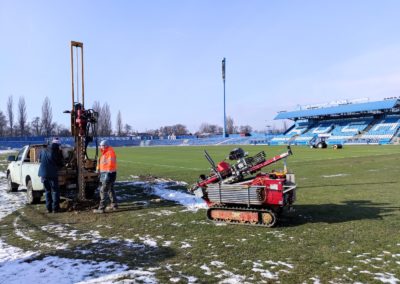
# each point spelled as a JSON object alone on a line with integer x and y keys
{"x": 345, "y": 228}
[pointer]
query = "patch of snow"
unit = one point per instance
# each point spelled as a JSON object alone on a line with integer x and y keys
{"x": 9, "y": 253}
{"x": 63, "y": 231}
{"x": 50, "y": 268}
{"x": 258, "y": 266}
{"x": 18, "y": 266}
{"x": 162, "y": 213}
{"x": 206, "y": 269}
{"x": 9, "y": 202}
{"x": 185, "y": 245}
{"x": 231, "y": 278}
{"x": 387, "y": 278}
{"x": 333, "y": 176}
{"x": 162, "y": 189}
{"x": 166, "y": 243}
{"x": 130, "y": 276}
{"x": 199, "y": 222}
{"x": 6, "y": 152}
{"x": 19, "y": 232}
{"x": 315, "y": 280}
{"x": 147, "y": 240}
{"x": 217, "y": 263}
{"x": 191, "y": 279}
{"x": 279, "y": 263}
{"x": 266, "y": 274}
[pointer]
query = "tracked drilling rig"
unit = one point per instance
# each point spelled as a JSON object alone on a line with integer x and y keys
{"x": 83, "y": 128}
{"x": 238, "y": 193}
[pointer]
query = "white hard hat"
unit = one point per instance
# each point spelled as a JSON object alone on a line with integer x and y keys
{"x": 56, "y": 141}
{"x": 104, "y": 143}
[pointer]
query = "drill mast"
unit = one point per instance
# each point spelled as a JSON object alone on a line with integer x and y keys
{"x": 83, "y": 123}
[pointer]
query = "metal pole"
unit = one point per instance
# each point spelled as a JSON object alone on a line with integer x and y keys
{"x": 224, "y": 134}
{"x": 72, "y": 74}
{"x": 83, "y": 81}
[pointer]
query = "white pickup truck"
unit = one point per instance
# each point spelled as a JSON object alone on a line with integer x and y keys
{"x": 23, "y": 170}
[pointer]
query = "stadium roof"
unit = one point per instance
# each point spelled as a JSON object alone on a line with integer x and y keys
{"x": 340, "y": 109}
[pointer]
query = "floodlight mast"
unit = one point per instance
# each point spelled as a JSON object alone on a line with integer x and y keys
{"x": 224, "y": 134}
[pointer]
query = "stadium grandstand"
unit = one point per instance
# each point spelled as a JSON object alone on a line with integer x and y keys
{"x": 375, "y": 122}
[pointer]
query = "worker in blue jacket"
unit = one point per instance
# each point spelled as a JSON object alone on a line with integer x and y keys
{"x": 50, "y": 160}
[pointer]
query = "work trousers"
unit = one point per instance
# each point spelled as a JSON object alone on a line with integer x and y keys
{"x": 107, "y": 188}
{"x": 52, "y": 194}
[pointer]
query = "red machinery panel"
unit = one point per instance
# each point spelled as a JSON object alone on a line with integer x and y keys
{"x": 274, "y": 191}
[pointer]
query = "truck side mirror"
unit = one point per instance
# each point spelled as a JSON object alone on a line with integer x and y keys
{"x": 11, "y": 158}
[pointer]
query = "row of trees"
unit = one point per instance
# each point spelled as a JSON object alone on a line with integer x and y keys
{"x": 104, "y": 125}
{"x": 11, "y": 125}
{"x": 231, "y": 128}
{"x": 18, "y": 125}
{"x": 205, "y": 128}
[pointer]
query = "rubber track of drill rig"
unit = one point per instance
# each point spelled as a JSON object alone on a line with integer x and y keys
{"x": 265, "y": 217}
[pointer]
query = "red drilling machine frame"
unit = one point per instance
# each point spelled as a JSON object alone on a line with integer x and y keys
{"x": 235, "y": 195}
{"x": 83, "y": 128}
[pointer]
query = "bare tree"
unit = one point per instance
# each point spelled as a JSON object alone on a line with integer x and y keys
{"x": 245, "y": 129}
{"x": 63, "y": 131}
{"x": 22, "y": 116}
{"x": 180, "y": 129}
{"x": 210, "y": 128}
{"x": 177, "y": 129}
{"x": 104, "y": 123}
{"x": 3, "y": 124}
{"x": 230, "y": 125}
{"x": 10, "y": 114}
{"x": 47, "y": 117}
{"x": 127, "y": 129}
{"x": 204, "y": 128}
{"x": 97, "y": 108}
{"x": 119, "y": 125}
{"x": 36, "y": 126}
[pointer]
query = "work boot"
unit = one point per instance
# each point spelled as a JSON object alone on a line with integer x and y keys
{"x": 98, "y": 211}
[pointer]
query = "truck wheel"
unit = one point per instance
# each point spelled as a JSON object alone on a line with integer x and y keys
{"x": 320, "y": 146}
{"x": 11, "y": 186}
{"x": 31, "y": 196}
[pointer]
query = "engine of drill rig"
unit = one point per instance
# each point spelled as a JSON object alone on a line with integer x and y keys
{"x": 84, "y": 124}
{"x": 243, "y": 164}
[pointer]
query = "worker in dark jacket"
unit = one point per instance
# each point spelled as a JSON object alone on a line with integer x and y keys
{"x": 108, "y": 172}
{"x": 50, "y": 160}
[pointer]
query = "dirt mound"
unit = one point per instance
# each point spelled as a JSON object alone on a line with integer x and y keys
{"x": 85, "y": 205}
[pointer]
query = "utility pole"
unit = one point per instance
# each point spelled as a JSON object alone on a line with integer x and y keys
{"x": 224, "y": 134}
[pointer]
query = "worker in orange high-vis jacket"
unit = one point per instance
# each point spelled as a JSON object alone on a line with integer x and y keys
{"x": 107, "y": 168}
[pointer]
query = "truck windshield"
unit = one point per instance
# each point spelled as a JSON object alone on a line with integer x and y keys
{"x": 20, "y": 154}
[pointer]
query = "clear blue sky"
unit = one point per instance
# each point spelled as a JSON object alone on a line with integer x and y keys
{"x": 159, "y": 62}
